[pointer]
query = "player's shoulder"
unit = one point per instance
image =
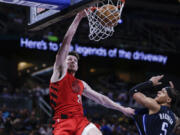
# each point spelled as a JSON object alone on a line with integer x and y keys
{"x": 165, "y": 108}
{"x": 84, "y": 83}
{"x": 86, "y": 86}
{"x": 141, "y": 111}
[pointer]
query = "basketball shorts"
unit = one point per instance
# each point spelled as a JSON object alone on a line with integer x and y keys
{"x": 70, "y": 126}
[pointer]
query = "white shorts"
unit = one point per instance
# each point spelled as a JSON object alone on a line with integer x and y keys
{"x": 88, "y": 128}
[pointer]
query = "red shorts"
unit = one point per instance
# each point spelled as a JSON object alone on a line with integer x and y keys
{"x": 70, "y": 126}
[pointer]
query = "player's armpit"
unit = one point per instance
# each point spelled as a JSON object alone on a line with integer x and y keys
{"x": 58, "y": 73}
{"x": 150, "y": 103}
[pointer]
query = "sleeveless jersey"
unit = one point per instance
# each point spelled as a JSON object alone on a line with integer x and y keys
{"x": 160, "y": 123}
{"x": 65, "y": 96}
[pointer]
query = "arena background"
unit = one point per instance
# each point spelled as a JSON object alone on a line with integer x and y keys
{"x": 149, "y": 27}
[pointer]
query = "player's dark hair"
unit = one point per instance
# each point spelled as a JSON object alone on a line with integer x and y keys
{"x": 174, "y": 95}
{"x": 74, "y": 53}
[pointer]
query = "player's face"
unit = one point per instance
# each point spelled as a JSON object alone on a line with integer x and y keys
{"x": 72, "y": 63}
{"x": 162, "y": 96}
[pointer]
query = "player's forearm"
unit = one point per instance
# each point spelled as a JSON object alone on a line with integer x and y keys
{"x": 70, "y": 34}
{"x": 141, "y": 87}
{"x": 111, "y": 104}
{"x": 139, "y": 98}
{"x": 64, "y": 49}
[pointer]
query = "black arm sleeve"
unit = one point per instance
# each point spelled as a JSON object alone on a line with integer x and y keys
{"x": 141, "y": 87}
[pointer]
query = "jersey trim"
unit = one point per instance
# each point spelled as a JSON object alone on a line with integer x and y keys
{"x": 138, "y": 128}
{"x": 144, "y": 123}
{"x": 54, "y": 88}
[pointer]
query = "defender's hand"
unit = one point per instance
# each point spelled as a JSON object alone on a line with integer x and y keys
{"x": 171, "y": 84}
{"x": 156, "y": 79}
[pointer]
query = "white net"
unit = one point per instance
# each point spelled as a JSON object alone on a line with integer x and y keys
{"x": 103, "y": 17}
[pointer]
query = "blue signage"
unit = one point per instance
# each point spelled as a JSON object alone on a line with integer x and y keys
{"x": 99, "y": 51}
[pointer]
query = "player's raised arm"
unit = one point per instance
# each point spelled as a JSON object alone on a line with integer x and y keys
{"x": 105, "y": 101}
{"x": 59, "y": 69}
{"x": 137, "y": 93}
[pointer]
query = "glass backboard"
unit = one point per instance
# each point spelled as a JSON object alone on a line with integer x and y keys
{"x": 40, "y": 17}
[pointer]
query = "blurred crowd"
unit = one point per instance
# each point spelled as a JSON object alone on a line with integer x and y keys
{"x": 22, "y": 122}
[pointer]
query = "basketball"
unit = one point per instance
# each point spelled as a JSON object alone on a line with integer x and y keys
{"x": 108, "y": 15}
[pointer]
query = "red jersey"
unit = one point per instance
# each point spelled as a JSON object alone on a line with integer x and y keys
{"x": 65, "y": 96}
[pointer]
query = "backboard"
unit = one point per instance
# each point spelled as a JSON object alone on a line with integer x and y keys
{"x": 40, "y": 17}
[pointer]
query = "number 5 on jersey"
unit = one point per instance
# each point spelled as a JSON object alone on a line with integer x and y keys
{"x": 164, "y": 128}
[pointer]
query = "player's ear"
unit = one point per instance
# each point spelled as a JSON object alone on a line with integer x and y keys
{"x": 169, "y": 100}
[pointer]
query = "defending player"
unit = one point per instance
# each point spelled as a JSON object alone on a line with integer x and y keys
{"x": 157, "y": 118}
{"x": 66, "y": 91}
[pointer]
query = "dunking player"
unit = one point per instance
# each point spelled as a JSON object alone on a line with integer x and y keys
{"x": 66, "y": 91}
{"x": 157, "y": 118}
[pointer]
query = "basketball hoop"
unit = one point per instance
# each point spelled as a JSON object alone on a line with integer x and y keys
{"x": 103, "y": 17}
